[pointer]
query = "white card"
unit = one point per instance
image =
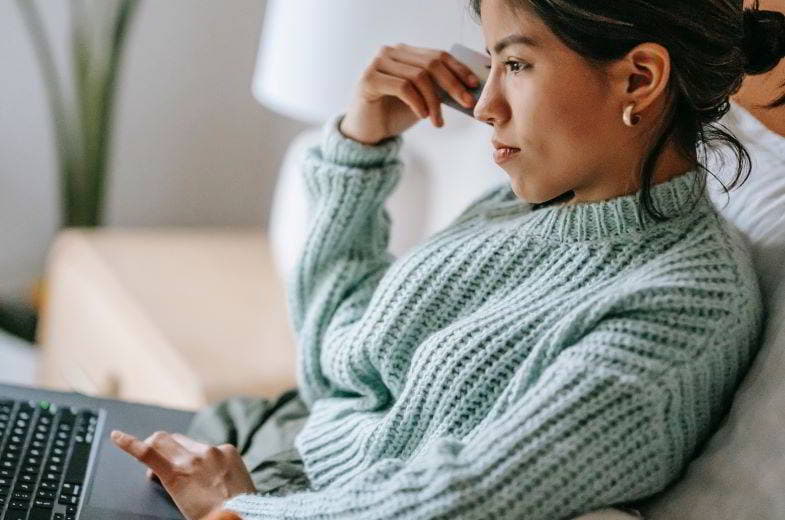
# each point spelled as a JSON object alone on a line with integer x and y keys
{"x": 478, "y": 63}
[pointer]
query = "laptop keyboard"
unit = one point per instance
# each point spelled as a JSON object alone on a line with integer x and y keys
{"x": 44, "y": 450}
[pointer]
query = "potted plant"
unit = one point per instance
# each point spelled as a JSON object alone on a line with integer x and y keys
{"x": 83, "y": 124}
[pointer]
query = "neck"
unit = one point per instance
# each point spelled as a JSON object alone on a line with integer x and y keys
{"x": 670, "y": 164}
{"x": 681, "y": 200}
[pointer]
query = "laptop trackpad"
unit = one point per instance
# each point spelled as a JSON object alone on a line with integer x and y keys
{"x": 120, "y": 483}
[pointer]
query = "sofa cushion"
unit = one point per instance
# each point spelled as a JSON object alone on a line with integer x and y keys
{"x": 740, "y": 472}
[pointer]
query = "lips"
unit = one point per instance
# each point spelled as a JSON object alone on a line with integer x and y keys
{"x": 501, "y": 155}
{"x": 499, "y": 144}
{"x": 503, "y": 151}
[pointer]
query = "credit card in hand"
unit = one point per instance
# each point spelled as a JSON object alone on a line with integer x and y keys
{"x": 477, "y": 62}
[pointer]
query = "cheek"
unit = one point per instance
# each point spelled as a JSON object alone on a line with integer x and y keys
{"x": 558, "y": 114}
{"x": 571, "y": 129}
{"x": 547, "y": 114}
{"x": 573, "y": 95}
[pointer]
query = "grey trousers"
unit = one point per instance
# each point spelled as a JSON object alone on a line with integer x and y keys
{"x": 263, "y": 431}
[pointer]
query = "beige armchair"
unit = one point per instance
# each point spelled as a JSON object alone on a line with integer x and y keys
{"x": 172, "y": 317}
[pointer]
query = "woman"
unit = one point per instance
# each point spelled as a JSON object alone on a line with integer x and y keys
{"x": 571, "y": 340}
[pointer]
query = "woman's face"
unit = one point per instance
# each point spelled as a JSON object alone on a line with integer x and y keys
{"x": 563, "y": 115}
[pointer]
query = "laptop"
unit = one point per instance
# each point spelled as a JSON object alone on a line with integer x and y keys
{"x": 57, "y": 461}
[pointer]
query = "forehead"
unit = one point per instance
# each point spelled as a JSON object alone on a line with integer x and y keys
{"x": 500, "y": 20}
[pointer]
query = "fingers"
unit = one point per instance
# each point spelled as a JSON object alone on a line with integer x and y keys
{"x": 424, "y": 92}
{"x": 412, "y": 74}
{"x": 189, "y": 443}
{"x": 389, "y": 85}
{"x": 140, "y": 451}
{"x": 227, "y": 452}
{"x": 424, "y": 56}
{"x": 460, "y": 69}
{"x": 159, "y": 451}
{"x": 449, "y": 73}
{"x": 152, "y": 476}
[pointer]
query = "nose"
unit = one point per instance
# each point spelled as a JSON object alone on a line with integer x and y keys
{"x": 491, "y": 108}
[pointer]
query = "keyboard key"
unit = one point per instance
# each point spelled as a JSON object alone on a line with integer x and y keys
{"x": 52, "y": 476}
{"x": 24, "y": 486}
{"x": 15, "y": 514}
{"x": 44, "y": 503}
{"x": 70, "y": 489}
{"x": 42, "y": 493}
{"x": 67, "y": 500}
{"x": 77, "y": 465}
{"x": 19, "y": 504}
{"x": 40, "y": 513}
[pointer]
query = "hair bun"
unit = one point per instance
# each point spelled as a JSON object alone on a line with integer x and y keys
{"x": 764, "y": 40}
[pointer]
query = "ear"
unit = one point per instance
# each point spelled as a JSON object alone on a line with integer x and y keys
{"x": 642, "y": 76}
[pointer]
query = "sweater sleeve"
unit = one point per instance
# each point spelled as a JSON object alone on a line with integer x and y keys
{"x": 614, "y": 418}
{"x": 345, "y": 252}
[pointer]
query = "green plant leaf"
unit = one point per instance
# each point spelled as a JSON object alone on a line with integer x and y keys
{"x": 83, "y": 136}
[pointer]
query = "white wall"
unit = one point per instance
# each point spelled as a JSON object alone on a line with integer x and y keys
{"x": 190, "y": 146}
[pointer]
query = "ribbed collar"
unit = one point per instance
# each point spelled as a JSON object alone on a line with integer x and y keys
{"x": 598, "y": 220}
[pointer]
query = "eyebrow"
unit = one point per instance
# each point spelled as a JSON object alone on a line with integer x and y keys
{"x": 511, "y": 40}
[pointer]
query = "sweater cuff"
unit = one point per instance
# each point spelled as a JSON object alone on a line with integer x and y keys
{"x": 339, "y": 149}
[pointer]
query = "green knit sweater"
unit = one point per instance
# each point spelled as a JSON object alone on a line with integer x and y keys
{"x": 525, "y": 362}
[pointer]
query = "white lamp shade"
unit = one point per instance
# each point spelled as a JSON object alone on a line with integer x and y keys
{"x": 312, "y": 52}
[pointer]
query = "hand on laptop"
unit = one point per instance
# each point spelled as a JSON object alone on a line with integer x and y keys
{"x": 199, "y": 477}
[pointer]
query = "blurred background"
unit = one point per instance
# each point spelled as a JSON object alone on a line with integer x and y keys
{"x": 191, "y": 145}
{"x": 150, "y": 197}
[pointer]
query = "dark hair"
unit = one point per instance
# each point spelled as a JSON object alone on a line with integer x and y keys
{"x": 712, "y": 44}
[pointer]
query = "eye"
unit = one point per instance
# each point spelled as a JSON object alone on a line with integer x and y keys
{"x": 522, "y": 66}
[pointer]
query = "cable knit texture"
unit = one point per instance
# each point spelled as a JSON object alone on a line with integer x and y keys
{"x": 519, "y": 364}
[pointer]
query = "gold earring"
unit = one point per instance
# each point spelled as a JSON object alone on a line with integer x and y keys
{"x": 629, "y": 120}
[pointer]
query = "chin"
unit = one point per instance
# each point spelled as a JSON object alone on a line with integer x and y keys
{"x": 562, "y": 197}
{"x": 521, "y": 193}
{"x": 518, "y": 193}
